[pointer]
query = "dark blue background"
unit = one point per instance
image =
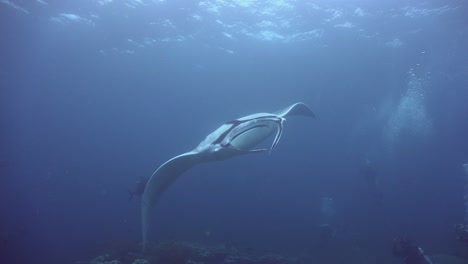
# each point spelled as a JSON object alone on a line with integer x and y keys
{"x": 79, "y": 127}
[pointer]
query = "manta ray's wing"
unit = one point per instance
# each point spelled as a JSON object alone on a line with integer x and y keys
{"x": 296, "y": 109}
{"x": 164, "y": 176}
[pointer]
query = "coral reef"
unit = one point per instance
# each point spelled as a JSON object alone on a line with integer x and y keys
{"x": 193, "y": 253}
{"x": 104, "y": 259}
{"x": 140, "y": 261}
{"x": 184, "y": 253}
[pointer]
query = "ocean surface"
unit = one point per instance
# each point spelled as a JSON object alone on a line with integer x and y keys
{"x": 96, "y": 94}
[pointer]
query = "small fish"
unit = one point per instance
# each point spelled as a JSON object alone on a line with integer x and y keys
{"x": 138, "y": 189}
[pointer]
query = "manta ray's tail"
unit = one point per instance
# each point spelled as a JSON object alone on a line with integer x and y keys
{"x": 296, "y": 109}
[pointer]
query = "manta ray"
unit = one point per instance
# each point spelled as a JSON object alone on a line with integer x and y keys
{"x": 236, "y": 137}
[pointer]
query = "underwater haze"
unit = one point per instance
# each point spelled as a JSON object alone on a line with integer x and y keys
{"x": 95, "y": 95}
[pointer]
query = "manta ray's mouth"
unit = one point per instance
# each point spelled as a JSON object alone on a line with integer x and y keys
{"x": 249, "y": 134}
{"x": 242, "y": 133}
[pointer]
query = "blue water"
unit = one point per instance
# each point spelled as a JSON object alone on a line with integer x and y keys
{"x": 95, "y": 94}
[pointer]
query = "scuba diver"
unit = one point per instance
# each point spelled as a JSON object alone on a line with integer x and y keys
{"x": 461, "y": 232}
{"x": 412, "y": 254}
{"x": 370, "y": 176}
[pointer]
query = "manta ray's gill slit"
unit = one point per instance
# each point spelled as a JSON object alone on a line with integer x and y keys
{"x": 278, "y": 135}
{"x": 233, "y": 123}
